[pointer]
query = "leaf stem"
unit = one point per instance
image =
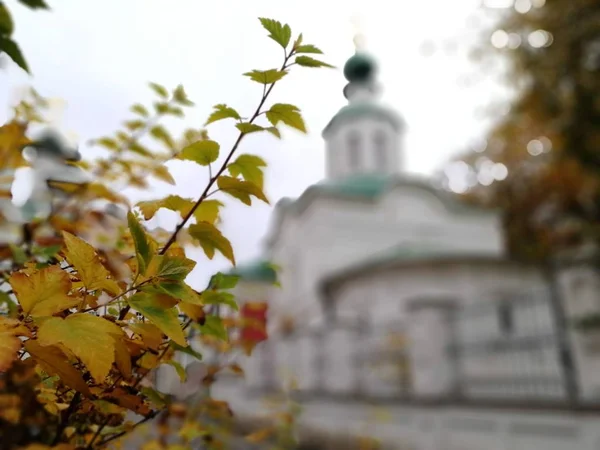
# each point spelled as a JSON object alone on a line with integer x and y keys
{"x": 213, "y": 179}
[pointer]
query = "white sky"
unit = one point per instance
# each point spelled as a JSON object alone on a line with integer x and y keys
{"x": 99, "y": 54}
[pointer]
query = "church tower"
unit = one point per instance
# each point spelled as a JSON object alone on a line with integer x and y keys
{"x": 364, "y": 137}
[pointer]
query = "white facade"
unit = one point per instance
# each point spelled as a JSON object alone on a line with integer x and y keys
{"x": 397, "y": 293}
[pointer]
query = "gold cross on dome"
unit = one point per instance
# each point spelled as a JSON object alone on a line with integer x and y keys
{"x": 359, "y": 37}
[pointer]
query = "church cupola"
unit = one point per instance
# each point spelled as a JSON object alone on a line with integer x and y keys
{"x": 364, "y": 136}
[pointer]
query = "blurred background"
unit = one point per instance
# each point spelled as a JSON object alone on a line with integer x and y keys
{"x": 436, "y": 230}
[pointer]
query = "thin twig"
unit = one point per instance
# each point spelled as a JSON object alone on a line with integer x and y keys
{"x": 213, "y": 179}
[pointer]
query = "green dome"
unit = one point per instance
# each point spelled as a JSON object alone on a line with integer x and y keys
{"x": 360, "y": 67}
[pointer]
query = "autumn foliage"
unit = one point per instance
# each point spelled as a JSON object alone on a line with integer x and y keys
{"x": 94, "y": 302}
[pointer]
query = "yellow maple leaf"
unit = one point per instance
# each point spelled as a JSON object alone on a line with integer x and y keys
{"x": 90, "y": 338}
{"x": 91, "y": 271}
{"x": 150, "y": 334}
{"x": 43, "y": 292}
{"x": 12, "y": 141}
{"x": 10, "y": 344}
{"x": 55, "y": 362}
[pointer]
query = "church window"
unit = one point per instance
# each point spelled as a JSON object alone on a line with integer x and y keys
{"x": 354, "y": 150}
{"x": 380, "y": 144}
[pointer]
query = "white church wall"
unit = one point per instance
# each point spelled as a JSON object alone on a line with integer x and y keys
{"x": 580, "y": 285}
{"x": 422, "y": 217}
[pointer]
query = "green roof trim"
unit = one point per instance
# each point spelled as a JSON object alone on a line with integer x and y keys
{"x": 259, "y": 271}
{"x": 370, "y": 187}
{"x": 364, "y": 185}
{"x": 363, "y": 109}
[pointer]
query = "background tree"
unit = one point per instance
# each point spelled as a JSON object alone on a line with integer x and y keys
{"x": 84, "y": 325}
{"x": 541, "y": 164}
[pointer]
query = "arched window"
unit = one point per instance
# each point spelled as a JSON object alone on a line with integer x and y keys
{"x": 379, "y": 140}
{"x": 354, "y": 150}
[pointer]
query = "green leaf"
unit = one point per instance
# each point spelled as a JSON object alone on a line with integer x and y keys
{"x": 211, "y": 239}
{"x": 223, "y": 281}
{"x": 143, "y": 248}
{"x": 174, "y": 268}
{"x": 307, "y": 61}
{"x": 162, "y": 107}
{"x": 202, "y": 152}
{"x": 249, "y": 167}
{"x": 135, "y": 124}
{"x": 178, "y": 290}
{"x": 266, "y": 76}
{"x": 242, "y": 190}
{"x": 161, "y": 91}
{"x": 274, "y": 131}
{"x": 6, "y": 23}
{"x": 219, "y": 298}
{"x": 181, "y": 97}
{"x": 13, "y": 51}
{"x": 308, "y": 48}
{"x": 18, "y": 254}
{"x": 208, "y": 211}
{"x": 247, "y": 128}
{"x": 107, "y": 142}
{"x": 8, "y": 305}
{"x": 172, "y": 202}
{"x": 288, "y": 114}
{"x": 34, "y": 4}
{"x": 278, "y": 32}
{"x": 222, "y": 111}
{"x": 160, "y": 133}
{"x": 187, "y": 350}
{"x": 213, "y": 326}
{"x": 297, "y": 42}
{"x": 179, "y": 369}
{"x": 161, "y": 311}
{"x": 158, "y": 399}
{"x": 139, "y": 149}
{"x": 140, "y": 110}
{"x": 113, "y": 311}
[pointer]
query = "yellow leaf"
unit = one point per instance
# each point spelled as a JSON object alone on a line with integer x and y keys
{"x": 211, "y": 239}
{"x": 123, "y": 358}
{"x": 203, "y": 152}
{"x": 172, "y": 202}
{"x": 249, "y": 167}
{"x": 163, "y": 174}
{"x": 10, "y": 344}
{"x": 260, "y": 435}
{"x": 194, "y": 312}
{"x": 161, "y": 311}
{"x": 12, "y": 140}
{"x": 242, "y": 190}
{"x": 89, "y": 267}
{"x": 150, "y": 334}
{"x": 10, "y": 408}
{"x": 90, "y": 338}
{"x": 208, "y": 211}
{"x": 55, "y": 362}
{"x": 44, "y": 292}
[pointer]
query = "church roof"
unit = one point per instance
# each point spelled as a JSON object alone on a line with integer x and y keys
{"x": 408, "y": 254}
{"x": 363, "y": 109}
{"x": 369, "y": 187}
{"x": 258, "y": 271}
